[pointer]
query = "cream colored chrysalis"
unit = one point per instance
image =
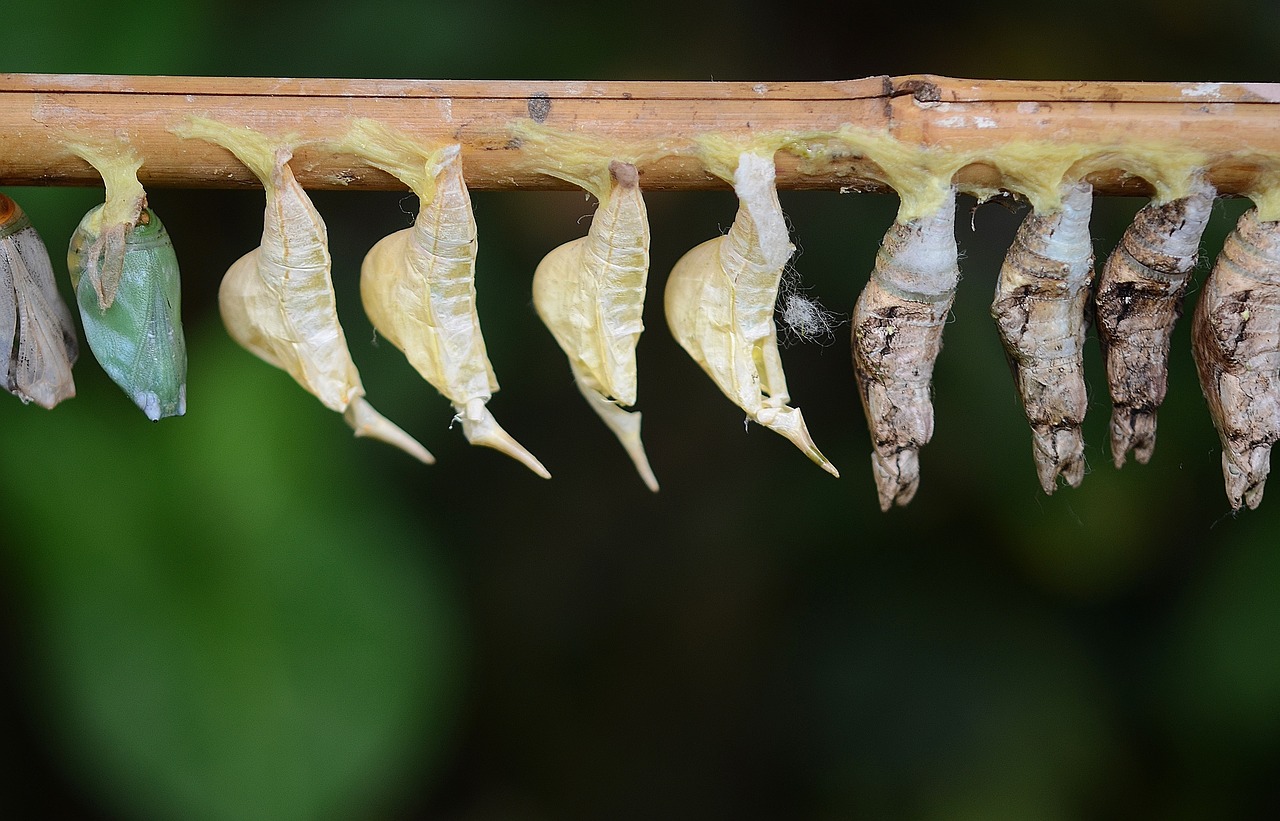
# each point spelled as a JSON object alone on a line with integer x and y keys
{"x": 418, "y": 284}
{"x": 590, "y": 294}
{"x": 1040, "y": 311}
{"x": 897, "y": 336}
{"x": 720, "y": 300}
{"x": 1235, "y": 335}
{"x": 278, "y": 302}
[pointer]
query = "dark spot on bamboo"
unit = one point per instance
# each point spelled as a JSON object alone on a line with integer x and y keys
{"x": 539, "y": 107}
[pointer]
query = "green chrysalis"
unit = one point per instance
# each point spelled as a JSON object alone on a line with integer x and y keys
{"x": 138, "y": 339}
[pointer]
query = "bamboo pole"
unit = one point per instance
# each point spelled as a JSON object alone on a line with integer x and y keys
{"x": 1233, "y": 127}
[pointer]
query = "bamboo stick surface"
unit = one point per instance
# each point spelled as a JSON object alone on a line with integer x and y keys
{"x": 1234, "y": 126}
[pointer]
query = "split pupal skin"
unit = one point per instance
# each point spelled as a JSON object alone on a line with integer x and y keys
{"x": 1138, "y": 301}
{"x": 278, "y": 302}
{"x": 418, "y": 290}
{"x": 1236, "y": 341}
{"x": 590, "y": 294}
{"x": 1040, "y": 311}
{"x": 897, "y": 336}
{"x": 720, "y": 299}
{"x": 38, "y": 344}
{"x": 138, "y": 340}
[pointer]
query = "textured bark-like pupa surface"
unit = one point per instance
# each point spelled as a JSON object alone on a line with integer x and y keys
{"x": 897, "y": 335}
{"x": 277, "y": 301}
{"x": 418, "y": 284}
{"x": 1236, "y": 342}
{"x": 720, "y": 300}
{"x": 138, "y": 340}
{"x": 1138, "y": 301}
{"x": 38, "y": 344}
{"x": 1040, "y": 308}
{"x": 590, "y": 294}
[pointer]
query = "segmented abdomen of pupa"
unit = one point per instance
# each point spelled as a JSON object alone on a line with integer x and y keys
{"x": 720, "y": 299}
{"x": 1137, "y": 303}
{"x": 38, "y": 343}
{"x": 897, "y": 335}
{"x": 1040, "y": 312}
{"x": 434, "y": 301}
{"x": 590, "y": 292}
{"x": 1236, "y": 341}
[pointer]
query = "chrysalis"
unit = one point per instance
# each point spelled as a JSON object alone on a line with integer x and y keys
{"x": 118, "y": 165}
{"x": 418, "y": 284}
{"x": 720, "y": 301}
{"x": 1039, "y": 308}
{"x": 138, "y": 339}
{"x": 897, "y": 335}
{"x": 590, "y": 293}
{"x": 1138, "y": 301}
{"x": 278, "y": 302}
{"x": 37, "y": 334}
{"x": 1236, "y": 341}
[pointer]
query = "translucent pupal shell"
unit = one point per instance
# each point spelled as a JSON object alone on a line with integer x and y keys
{"x": 590, "y": 294}
{"x": 1236, "y": 342}
{"x": 277, "y": 301}
{"x": 138, "y": 340}
{"x": 897, "y": 336}
{"x": 418, "y": 290}
{"x": 1137, "y": 302}
{"x": 1040, "y": 312}
{"x": 720, "y": 300}
{"x": 38, "y": 344}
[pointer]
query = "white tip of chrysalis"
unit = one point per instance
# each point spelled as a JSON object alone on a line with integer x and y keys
{"x": 366, "y": 421}
{"x": 480, "y": 428}
{"x": 626, "y": 426}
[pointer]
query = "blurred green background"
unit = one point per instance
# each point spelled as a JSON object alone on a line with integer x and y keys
{"x": 246, "y": 613}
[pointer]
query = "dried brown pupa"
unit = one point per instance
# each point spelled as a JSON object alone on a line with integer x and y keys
{"x": 1236, "y": 341}
{"x": 590, "y": 294}
{"x": 720, "y": 300}
{"x": 418, "y": 284}
{"x": 277, "y": 301}
{"x": 38, "y": 343}
{"x": 1138, "y": 301}
{"x": 897, "y": 335}
{"x": 1040, "y": 312}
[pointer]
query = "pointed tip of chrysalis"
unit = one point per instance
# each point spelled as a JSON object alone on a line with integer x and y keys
{"x": 897, "y": 476}
{"x": 789, "y": 422}
{"x": 1132, "y": 430}
{"x": 366, "y": 421}
{"x": 626, "y": 427}
{"x": 1246, "y": 475}
{"x": 480, "y": 428}
{"x": 1058, "y": 452}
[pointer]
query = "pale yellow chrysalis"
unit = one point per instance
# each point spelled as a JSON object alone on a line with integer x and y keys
{"x": 418, "y": 284}
{"x": 720, "y": 301}
{"x": 278, "y": 302}
{"x": 590, "y": 294}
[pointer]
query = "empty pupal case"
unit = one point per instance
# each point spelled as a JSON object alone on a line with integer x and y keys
{"x": 590, "y": 294}
{"x": 720, "y": 300}
{"x": 418, "y": 284}
{"x": 38, "y": 344}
